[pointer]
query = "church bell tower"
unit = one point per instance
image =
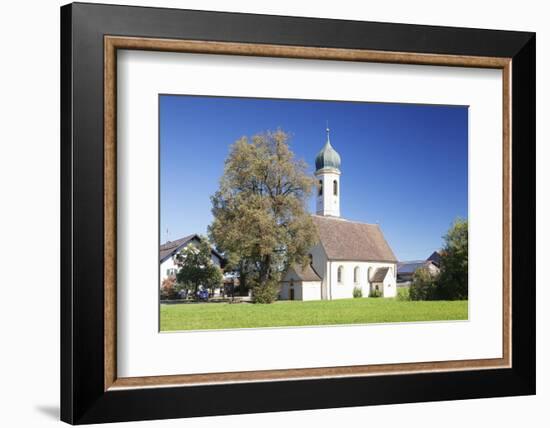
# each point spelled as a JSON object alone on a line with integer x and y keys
{"x": 327, "y": 164}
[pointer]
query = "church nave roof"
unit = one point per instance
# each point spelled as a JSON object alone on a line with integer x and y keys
{"x": 348, "y": 240}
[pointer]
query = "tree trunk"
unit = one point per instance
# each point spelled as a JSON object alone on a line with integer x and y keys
{"x": 265, "y": 271}
{"x": 242, "y": 283}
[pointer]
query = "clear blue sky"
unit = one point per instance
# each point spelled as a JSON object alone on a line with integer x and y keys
{"x": 404, "y": 166}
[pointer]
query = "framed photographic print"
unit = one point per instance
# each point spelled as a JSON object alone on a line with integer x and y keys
{"x": 292, "y": 213}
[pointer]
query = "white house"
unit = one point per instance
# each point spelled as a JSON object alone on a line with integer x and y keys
{"x": 349, "y": 254}
{"x": 169, "y": 249}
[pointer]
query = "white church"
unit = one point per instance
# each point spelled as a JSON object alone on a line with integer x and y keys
{"x": 349, "y": 255}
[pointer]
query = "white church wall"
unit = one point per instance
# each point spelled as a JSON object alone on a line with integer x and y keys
{"x": 310, "y": 290}
{"x": 306, "y": 290}
{"x": 390, "y": 285}
{"x": 344, "y": 289}
{"x": 319, "y": 263}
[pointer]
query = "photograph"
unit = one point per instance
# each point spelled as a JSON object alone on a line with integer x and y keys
{"x": 264, "y": 212}
{"x": 297, "y": 213}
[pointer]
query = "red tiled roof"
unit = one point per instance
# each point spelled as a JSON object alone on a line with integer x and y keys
{"x": 348, "y": 240}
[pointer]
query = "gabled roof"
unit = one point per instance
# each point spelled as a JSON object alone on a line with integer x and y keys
{"x": 168, "y": 249}
{"x": 348, "y": 240}
{"x": 380, "y": 274}
{"x": 306, "y": 273}
{"x": 435, "y": 257}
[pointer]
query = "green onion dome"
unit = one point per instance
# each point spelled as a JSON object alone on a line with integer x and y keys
{"x": 327, "y": 157}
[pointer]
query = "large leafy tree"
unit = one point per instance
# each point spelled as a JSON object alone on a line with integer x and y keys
{"x": 453, "y": 281}
{"x": 195, "y": 268}
{"x": 260, "y": 216}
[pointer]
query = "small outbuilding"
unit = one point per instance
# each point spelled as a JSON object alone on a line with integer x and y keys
{"x": 300, "y": 283}
{"x": 381, "y": 281}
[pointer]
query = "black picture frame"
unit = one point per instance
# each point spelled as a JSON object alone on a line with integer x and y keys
{"x": 83, "y": 399}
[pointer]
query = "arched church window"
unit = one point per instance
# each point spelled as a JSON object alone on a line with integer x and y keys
{"x": 320, "y": 187}
{"x": 340, "y": 272}
{"x": 369, "y": 275}
{"x": 356, "y": 275}
{"x": 335, "y": 187}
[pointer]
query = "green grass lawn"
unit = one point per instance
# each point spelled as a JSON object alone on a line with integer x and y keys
{"x": 201, "y": 316}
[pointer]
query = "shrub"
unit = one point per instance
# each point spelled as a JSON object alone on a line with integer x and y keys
{"x": 375, "y": 293}
{"x": 357, "y": 292}
{"x": 168, "y": 289}
{"x": 403, "y": 294}
{"x": 424, "y": 286}
{"x": 215, "y": 279}
{"x": 266, "y": 293}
